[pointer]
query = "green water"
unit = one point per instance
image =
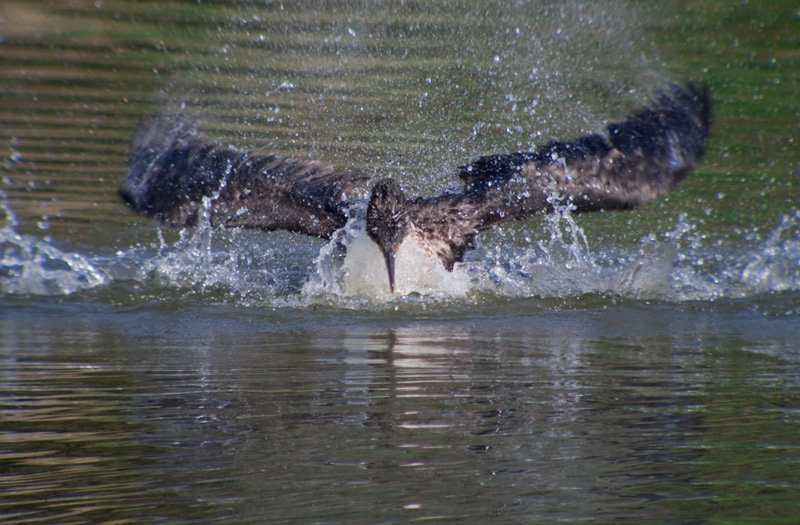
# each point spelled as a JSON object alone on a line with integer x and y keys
{"x": 650, "y": 374}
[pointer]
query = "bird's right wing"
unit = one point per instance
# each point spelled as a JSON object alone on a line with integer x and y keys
{"x": 174, "y": 172}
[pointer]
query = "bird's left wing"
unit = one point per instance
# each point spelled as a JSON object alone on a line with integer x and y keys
{"x": 637, "y": 160}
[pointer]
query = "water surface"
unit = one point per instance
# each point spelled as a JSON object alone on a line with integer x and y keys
{"x": 621, "y": 366}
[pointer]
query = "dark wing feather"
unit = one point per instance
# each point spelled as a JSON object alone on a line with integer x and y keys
{"x": 641, "y": 158}
{"x": 173, "y": 169}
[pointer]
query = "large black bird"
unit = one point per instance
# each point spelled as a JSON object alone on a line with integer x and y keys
{"x": 173, "y": 170}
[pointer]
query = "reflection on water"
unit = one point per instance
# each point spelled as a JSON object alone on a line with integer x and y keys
{"x": 639, "y": 366}
{"x": 541, "y": 420}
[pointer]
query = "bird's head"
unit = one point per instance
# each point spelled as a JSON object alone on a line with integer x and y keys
{"x": 387, "y": 223}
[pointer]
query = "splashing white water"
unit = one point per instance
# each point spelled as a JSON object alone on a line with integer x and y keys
{"x": 32, "y": 266}
{"x": 206, "y": 259}
{"x": 768, "y": 265}
{"x": 562, "y": 264}
{"x": 280, "y": 269}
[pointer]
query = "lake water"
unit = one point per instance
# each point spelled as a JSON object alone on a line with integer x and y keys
{"x": 633, "y": 366}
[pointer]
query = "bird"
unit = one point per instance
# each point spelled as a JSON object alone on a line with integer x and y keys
{"x": 173, "y": 169}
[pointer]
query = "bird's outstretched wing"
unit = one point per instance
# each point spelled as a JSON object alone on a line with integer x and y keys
{"x": 173, "y": 170}
{"x": 639, "y": 159}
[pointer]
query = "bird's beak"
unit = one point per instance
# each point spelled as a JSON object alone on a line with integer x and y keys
{"x": 389, "y": 256}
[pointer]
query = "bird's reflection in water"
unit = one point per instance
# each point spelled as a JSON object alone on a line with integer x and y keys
{"x": 431, "y": 377}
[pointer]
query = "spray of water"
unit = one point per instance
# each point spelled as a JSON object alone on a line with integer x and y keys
{"x": 289, "y": 270}
{"x": 29, "y": 266}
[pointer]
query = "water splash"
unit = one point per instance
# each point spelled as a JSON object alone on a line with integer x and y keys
{"x": 232, "y": 265}
{"x": 775, "y": 266}
{"x": 762, "y": 266}
{"x": 562, "y": 264}
{"x": 676, "y": 266}
{"x": 282, "y": 269}
{"x": 206, "y": 261}
{"x": 35, "y": 267}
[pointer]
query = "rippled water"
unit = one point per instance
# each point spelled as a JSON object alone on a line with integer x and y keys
{"x": 621, "y": 366}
